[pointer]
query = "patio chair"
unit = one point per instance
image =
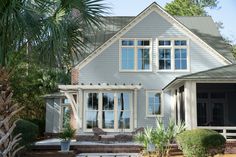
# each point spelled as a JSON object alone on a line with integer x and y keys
{"x": 98, "y": 132}
{"x": 138, "y": 130}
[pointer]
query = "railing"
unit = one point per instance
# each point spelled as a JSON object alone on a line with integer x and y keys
{"x": 228, "y": 132}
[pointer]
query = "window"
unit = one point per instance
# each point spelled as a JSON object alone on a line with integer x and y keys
{"x": 124, "y": 110}
{"x": 128, "y": 58}
{"x": 65, "y": 112}
{"x": 92, "y": 110}
{"x": 180, "y": 59}
{"x": 164, "y": 43}
{"x": 180, "y": 42}
{"x": 173, "y": 55}
{"x": 153, "y": 103}
{"x": 113, "y": 108}
{"x": 164, "y": 59}
{"x": 135, "y": 55}
{"x": 108, "y": 110}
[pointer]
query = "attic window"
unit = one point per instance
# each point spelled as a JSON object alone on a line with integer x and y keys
{"x": 173, "y": 55}
{"x": 135, "y": 55}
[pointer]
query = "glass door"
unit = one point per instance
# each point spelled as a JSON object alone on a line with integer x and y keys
{"x": 108, "y": 110}
{"x": 108, "y": 117}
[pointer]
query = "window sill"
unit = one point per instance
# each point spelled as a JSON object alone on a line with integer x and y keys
{"x": 173, "y": 71}
{"x": 135, "y": 71}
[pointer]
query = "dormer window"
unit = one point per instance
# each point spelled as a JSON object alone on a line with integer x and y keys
{"x": 173, "y": 55}
{"x": 135, "y": 55}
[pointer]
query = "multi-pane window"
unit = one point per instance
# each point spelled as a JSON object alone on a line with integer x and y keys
{"x": 153, "y": 103}
{"x": 173, "y": 55}
{"x": 113, "y": 108}
{"x": 135, "y": 54}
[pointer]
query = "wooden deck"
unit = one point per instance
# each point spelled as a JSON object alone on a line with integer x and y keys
{"x": 50, "y": 148}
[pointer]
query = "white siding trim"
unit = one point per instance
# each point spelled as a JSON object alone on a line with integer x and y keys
{"x": 153, "y": 7}
{"x": 100, "y": 87}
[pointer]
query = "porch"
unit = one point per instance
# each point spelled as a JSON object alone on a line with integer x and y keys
{"x": 206, "y": 100}
{"x": 216, "y": 108}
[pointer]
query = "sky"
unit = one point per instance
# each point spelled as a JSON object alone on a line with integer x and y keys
{"x": 225, "y": 13}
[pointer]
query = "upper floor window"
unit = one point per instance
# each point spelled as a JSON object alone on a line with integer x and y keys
{"x": 153, "y": 103}
{"x": 135, "y": 55}
{"x": 173, "y": 54}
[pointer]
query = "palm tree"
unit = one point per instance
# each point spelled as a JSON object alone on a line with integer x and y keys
{"x": 50, "y": 29}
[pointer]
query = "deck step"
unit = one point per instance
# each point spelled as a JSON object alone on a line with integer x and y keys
{"x": 109, "y": 149}
{"x": 50, "y": 153}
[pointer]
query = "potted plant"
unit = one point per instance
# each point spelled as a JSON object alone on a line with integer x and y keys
{"x": 66, "y": 136}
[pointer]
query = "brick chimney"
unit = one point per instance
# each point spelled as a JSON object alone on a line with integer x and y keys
{"x": 74, "y": 76}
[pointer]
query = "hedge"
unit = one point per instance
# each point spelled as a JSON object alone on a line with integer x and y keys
{"x": 201, "y": 142}
{"x": 28, "y": 130}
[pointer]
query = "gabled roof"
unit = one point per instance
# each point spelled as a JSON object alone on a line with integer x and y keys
{"x": 224, "y": 73}
{"x": 208, "y": 36}
{"x": 205, "y": 28}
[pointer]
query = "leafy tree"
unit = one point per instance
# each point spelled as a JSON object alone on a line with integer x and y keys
{"x": 234, "y": 50}
{"x": 51, "y": 29}
{"x": 190, "y": 7}
{"x": 8, "y": 109}
{"x": 206, "y": 3}
{"x": 31, "y": 82}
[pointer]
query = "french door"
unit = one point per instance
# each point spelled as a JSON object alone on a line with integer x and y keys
{"x": 110, "y": 110}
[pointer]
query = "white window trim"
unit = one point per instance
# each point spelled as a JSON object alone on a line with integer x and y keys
{"x": 135, "y": 46}
{"x": 173, "y": 47}
{"x": 162, "y": 103}
{"x": 116, "y": 129}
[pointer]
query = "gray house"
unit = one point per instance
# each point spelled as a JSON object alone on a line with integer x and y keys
{"x": 148, "y": 66}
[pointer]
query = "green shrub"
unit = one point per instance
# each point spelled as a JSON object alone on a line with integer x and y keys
{"x": 29, "y": 132}
{"x": 41, "y": 125}
{"x": 201, "y": 142}
{"x": 160, "y": 136}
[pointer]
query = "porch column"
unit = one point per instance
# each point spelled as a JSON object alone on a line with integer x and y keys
{"x": 80, "y": 112}
{"x": 194, "y": 104}
{"x": 190, "y": 105}
{"x": 173, "y": 105}
{"x": 135, "y": 108}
